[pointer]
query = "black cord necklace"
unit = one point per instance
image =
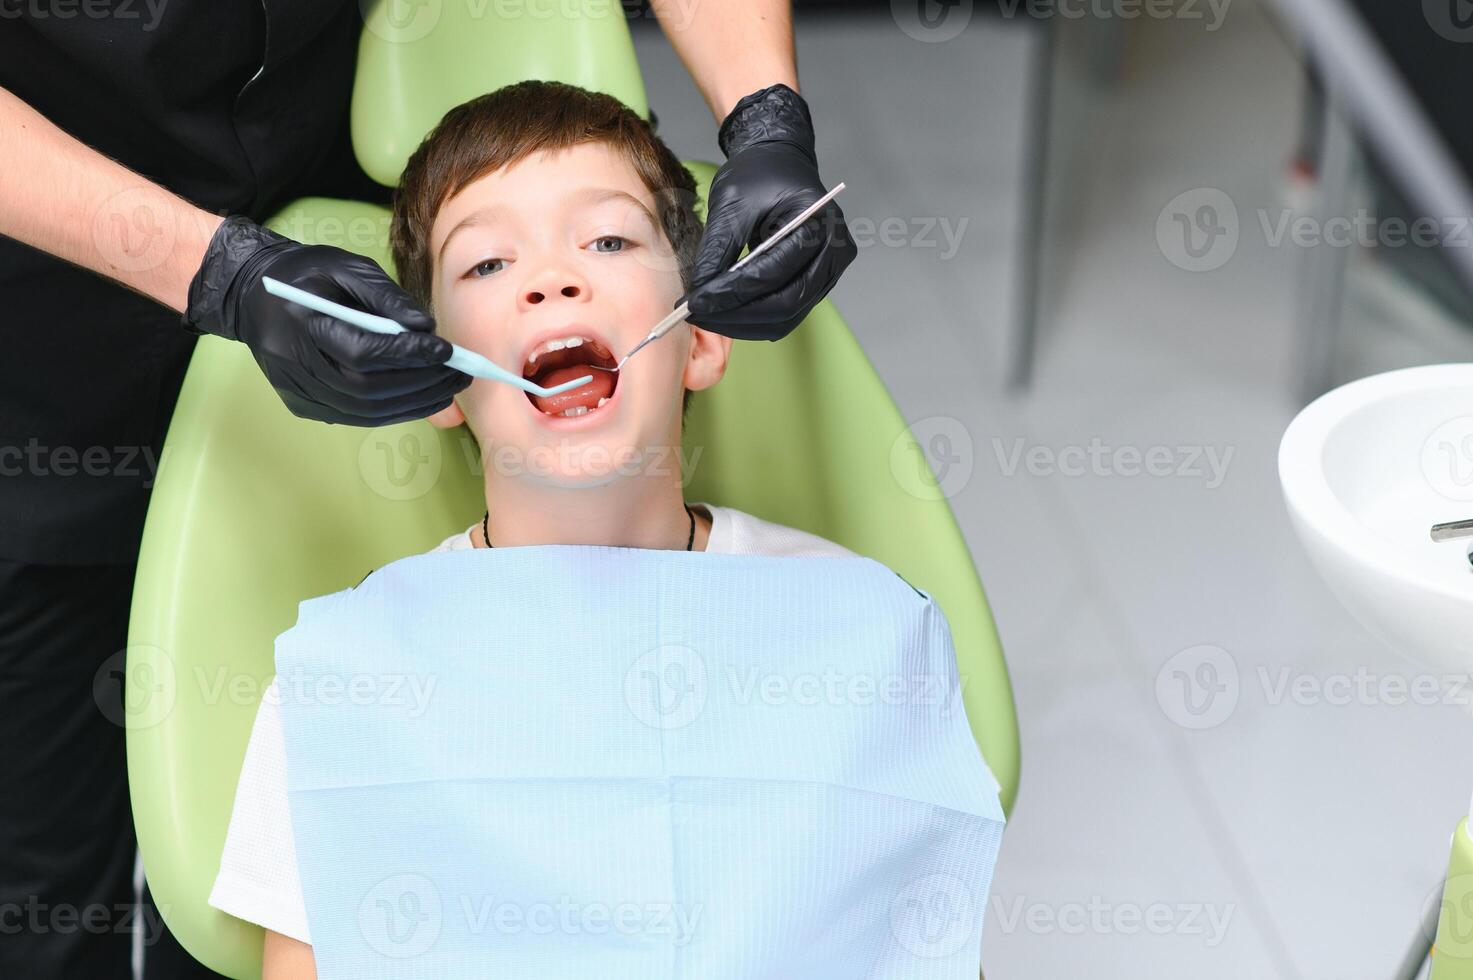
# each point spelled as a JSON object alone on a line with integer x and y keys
{"x": 486, "y": 530}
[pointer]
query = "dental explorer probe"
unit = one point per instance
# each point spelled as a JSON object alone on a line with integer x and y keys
{"x": 682, "y": 311}
{"x": 461, "y": 359}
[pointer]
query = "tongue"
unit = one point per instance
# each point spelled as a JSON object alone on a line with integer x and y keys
{"x": 602, "y": 386}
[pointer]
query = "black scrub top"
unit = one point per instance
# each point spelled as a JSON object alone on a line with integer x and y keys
{"x": 236, "y": 105}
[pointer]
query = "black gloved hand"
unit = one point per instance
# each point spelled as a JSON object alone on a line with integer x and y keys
{"x": 322, "y": 367}
{"x": 770, "y": 176}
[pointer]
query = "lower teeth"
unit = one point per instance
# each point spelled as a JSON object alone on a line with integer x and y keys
{"x": 580, "y": 409}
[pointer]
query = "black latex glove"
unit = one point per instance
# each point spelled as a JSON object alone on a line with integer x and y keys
{"x": 770, "y": 176}
{"x": 322, "y": 367}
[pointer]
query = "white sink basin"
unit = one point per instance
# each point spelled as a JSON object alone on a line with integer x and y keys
{"x": 1366, "y": 470}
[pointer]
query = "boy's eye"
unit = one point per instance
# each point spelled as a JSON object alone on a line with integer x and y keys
{"x": 482, "y": 269}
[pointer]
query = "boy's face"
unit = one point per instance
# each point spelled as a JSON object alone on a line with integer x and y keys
{"x": 562, "y": 245}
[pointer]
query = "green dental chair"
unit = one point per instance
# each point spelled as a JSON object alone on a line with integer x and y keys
{"x": 801, "y": 432}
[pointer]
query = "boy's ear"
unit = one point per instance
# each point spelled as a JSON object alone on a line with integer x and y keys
{"x": 706, "y": 363}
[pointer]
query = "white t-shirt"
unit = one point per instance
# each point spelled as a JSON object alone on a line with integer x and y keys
{"x": 258, "y": 869}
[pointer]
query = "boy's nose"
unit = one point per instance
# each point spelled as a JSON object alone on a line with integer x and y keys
{"x": 535, "y": 296}
{"x": 553, "y": 283}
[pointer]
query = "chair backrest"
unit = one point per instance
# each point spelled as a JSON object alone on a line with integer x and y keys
{"x": 420, "y": 58}
{"x": 254, "y": 510}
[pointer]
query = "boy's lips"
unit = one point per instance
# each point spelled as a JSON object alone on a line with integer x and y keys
{"x": 558, "y": 355}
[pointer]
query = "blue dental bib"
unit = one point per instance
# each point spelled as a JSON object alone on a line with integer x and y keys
{"x": 563, "y": 762}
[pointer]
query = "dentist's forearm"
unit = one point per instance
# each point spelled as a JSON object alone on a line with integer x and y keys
{"x": 731, "y": 48}
{"x": 65, "y": 198}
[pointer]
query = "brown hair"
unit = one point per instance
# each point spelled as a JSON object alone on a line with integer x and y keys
{"x": 501, "y": 128}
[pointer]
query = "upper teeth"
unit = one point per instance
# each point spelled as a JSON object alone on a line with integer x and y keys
{"x": 557, "y": 343}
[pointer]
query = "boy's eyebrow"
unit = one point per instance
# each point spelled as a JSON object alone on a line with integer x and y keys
{"x": 598, "y": 195}
{"x": 588, "y": 196}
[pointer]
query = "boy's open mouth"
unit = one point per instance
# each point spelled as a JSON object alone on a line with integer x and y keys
{"x": 566, "y": 358}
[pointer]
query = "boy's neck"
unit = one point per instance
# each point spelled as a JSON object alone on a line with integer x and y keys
{"x": 628, "y": 512}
